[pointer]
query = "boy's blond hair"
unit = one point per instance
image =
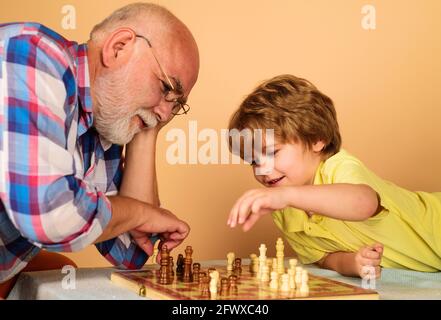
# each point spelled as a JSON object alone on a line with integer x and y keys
{"x": 295, "y": 109}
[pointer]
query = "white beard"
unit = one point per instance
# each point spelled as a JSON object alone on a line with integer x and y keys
{"x": 112, "y": 121}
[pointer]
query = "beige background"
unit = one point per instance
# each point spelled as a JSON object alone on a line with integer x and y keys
{"x": 385, "y": 84}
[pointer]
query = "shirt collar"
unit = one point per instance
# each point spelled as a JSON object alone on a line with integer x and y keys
{"x": 84, "y": 97}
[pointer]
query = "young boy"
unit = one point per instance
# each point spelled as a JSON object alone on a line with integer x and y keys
{"x": 332, "y": 209}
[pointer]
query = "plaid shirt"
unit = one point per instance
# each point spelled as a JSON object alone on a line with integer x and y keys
{"x": 55, "y": 170}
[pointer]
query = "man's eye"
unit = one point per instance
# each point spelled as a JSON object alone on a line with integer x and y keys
{"x": 165, "y": 87}
{"x": 253, "y": 163}
{"x": 275, "y": 151}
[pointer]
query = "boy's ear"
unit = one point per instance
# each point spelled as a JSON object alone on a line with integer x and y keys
{"x": 318, "y": 146}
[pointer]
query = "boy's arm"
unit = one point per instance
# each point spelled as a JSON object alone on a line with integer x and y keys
{"x": 349, "y": 202}
{"x": 341, "y": 262}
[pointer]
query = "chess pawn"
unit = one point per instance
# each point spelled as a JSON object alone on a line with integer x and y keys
{"x": 304, "y": 289}
{"x": 232, "y": 284}
{"x": 255, "y": 263}
{"x": 285, "y": 283}
{"x": 237, "y": 266}
{"x": 292, "y": 263}
{"x": 298, "y": 276}
{"x": 265, "y": 274}
{"x": 224, "y": 287}
{"x": 292, "y": 281}
{"x": 180, "y": 265}
{"x": 214, "y": 275}
{"x": 305, "y": 277}
{"x": 196, "y": 270}
{"x": 274, "y": 283}
{"x": 253, "y": 257}
{"x": 203, "y": 283}
{"x": 274, "y": 265}
{"x": 230, "y": 261}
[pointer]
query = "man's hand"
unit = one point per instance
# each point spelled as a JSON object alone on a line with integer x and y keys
{"x": 367, "y": 258}
{"x": 256, "y": 203}
{"x": 172, "y": 231}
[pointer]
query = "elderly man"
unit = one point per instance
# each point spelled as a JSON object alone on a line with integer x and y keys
{"x": 66, "y": 110}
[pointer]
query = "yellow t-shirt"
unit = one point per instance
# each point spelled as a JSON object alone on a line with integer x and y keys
{"x": 409, "y": 225}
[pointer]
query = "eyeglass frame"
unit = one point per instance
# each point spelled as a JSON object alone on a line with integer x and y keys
{"x": 184, "y": 108}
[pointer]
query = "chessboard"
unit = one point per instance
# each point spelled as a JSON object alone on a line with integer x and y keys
{"x": 145, "y": 283}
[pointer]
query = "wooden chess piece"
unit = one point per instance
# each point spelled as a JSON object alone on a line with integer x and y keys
{"x": 232, "y": 284}
{"x": 187, "y": 264}
{"x": 171, "y": 264}
{"x": 196, "y": 270}
{"x": 237, "y": 266}
{"x": 204, "y": 284}
{"x": 180, "y": 266}
{"x": 164, "y": 270}
{"x": 224, "y": 287}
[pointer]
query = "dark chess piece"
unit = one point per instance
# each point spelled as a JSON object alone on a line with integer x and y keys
{"x": 171, "y": 264}
{"x": 204, "y": 284}
{"x": 224, "y": 289}
{"x": 232, "y": 284}
{"x": 187, "y": 264}
{"x": 164, "y": 272}
{"x": 196, "y": 270}
{"x": 180, "y": 266}
{"x": 237, "y": 266}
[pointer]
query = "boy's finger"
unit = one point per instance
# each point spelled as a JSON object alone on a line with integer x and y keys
{"x": 252, "y": 219}
{"x": 370, "y": 254}
{"x": 370, "y": 262}
{"x": 233, "y": 214}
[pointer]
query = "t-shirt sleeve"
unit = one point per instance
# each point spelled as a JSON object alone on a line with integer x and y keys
{"x": 352, "y": 171}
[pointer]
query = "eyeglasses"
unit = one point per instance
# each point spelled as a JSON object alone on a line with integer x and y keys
{"x": 180, "y": 105}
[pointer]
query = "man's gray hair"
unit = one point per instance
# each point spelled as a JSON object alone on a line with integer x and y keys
{"x": 128, "y": 16}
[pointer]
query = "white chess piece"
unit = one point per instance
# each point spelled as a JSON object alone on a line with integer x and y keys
{"x": 230, "y": 261}
{"x": 292, "y": 263}
{"x": 280, "y": 256}
{"x": 214, "y": 275}
{"x": 274, "y": 284}
{"x": 262, "y": 260}
{"x": 298, "y": 276}
{"x": 265, "y": 274}
{"x": 274, "y": 265}
{"x": 292, "y": 281}
{"x": 285, "y": 283}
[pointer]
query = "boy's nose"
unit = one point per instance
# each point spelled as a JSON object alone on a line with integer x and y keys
{"x": 265, "y": 167}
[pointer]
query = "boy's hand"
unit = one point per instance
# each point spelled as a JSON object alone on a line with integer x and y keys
{"x": 256, "y": 203}
{"x": 367, "y": 258}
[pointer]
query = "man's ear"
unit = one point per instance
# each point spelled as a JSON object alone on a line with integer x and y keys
{"x": 318, "y": 146}
{"x": 118, "y": 47}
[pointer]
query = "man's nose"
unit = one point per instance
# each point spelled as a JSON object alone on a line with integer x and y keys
{"x": 163, "y": 111}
